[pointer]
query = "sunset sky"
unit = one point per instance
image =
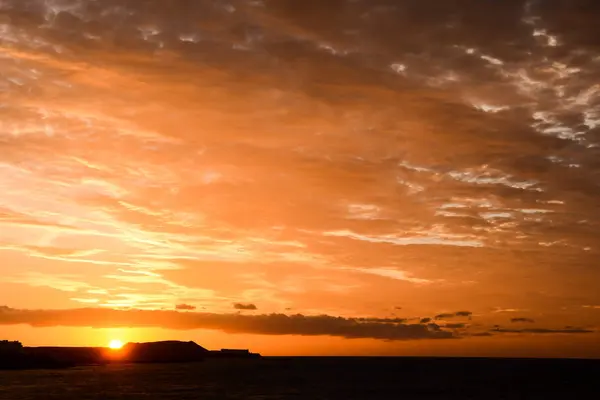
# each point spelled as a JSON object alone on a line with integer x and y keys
{"x": 385, "y": 177}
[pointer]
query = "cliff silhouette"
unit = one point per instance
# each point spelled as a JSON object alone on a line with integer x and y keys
{"x": 161, "y": 352}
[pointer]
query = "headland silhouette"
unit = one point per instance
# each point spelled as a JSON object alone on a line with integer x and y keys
{"x": 13, "y": 355}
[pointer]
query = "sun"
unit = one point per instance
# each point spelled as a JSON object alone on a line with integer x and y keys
{"x": 115, "y": 344}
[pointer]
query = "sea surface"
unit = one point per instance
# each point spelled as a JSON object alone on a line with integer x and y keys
{"x": 313, "y": 378}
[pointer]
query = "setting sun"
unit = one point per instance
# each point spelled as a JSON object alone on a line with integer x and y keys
{"x": 115, "y": 344}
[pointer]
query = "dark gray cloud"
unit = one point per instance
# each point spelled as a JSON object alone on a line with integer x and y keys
{"x": 267, "y": 324}
{"x": 481, "y": 334}
{"x": 455, "y": 326}
{"x": 463, "y": 313}
{"x": 242, "y": 306}
{"x": 386, "y": 320}
{"x": 453, "y": 315}
{"x": 434, "y": 327}
{"x": 185, "y": 307}
{"x": 521, "y": 319}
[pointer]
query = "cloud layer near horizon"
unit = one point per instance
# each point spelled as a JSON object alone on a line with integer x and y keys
{"x": 387, "y": 329}
{"x": 266, "y": 324}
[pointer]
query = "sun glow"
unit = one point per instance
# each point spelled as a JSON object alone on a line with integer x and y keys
{"x": 115, "y": 344}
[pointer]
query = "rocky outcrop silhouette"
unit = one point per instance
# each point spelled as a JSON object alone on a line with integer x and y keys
{"x": 162, "y": 352}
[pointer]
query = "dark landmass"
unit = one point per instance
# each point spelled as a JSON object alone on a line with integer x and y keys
{"x": 14, "y": 356}
{"x": 71, "y": 356}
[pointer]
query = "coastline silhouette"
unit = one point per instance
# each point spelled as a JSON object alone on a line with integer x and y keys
{"x": 13, "y": 355}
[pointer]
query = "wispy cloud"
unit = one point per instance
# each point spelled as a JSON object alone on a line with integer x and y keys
{"x": 66, "y": 283}
{"x": 392, "y": 274}
{"x": 450, "y": 240}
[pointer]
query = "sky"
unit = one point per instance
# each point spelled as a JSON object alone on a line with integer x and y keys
{"x": 340, "y": 177}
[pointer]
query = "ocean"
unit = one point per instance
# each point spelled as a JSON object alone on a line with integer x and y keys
{"x": 314, "y": 378}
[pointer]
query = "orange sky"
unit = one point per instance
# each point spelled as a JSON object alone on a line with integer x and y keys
{"x": 384, "y": 179}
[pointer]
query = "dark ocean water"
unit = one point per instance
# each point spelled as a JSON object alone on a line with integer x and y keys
{"x": 313, "y": 378}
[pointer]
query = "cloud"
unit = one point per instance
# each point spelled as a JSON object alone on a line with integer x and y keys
{"x": 448, "y": 240}
{"x": 507, "y": 310}
{"x": 434, "y": 327}
{"x": 425, "y": 320}
{"x": 453, "y": 315}
{"x": 65, "y": 283}
{"x": 266, "y": 324}
{"x": 385, "y": 320}
{"x": 240, "y": 306}
{"x": 455, "y": 326}
{"x": 521, "y": 319}
{"x": 463, "y": 313}
{"x": 185, "y": 307}
{"x": 392, "y": 274}
{"x": 543, "y": 330}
